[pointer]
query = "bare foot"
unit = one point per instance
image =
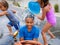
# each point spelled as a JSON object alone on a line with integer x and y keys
{"x": 45, "y": 44}
{"x": 53, "y": 37}
{"x": 11, "y": 34}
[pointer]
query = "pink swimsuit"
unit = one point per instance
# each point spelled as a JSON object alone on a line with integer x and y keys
{"x": 51, "y": 18}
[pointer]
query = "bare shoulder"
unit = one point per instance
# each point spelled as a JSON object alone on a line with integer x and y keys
{"x": 46, "y": 8}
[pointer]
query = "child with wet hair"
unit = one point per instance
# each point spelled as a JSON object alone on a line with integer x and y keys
{"x": 4, "y": 6}
{"x": 29, "y": 33}
{"x": 48, "y": 12}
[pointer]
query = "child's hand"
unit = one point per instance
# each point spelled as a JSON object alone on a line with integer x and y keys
{"x": 23, "y": 41}
{"x": 38, "y": 43}
{"x": 38, "y": 16}
{"x": 14, "y": 11}
{"x": 17, "y": 43}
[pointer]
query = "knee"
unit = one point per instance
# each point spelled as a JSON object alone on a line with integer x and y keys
{"x": 42, "y": 32}
{"x": 8, "y": 26}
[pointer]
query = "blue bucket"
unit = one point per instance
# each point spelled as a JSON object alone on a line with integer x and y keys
{"x": 34, "y": 7}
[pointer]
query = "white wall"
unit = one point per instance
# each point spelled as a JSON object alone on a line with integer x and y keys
{"x": 53, "y": 2}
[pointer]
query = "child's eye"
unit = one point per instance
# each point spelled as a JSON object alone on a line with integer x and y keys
{"x": 29, "y": 22}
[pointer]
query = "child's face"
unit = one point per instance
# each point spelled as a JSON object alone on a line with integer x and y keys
{"x": 29, "y": 22}
{"x": 2, "y": 8}
{"x": 41, "y": 3}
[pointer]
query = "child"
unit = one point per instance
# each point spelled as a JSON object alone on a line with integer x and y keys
{"x": 29, "y": 33}
{"x": 48, "y": 12}
{"x": 10, "y": 15}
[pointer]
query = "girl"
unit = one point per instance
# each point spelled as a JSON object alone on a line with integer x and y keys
{"x": 48, "y": 12}
{"x": 29, "y": 33}
{"x": 10, "y": 15}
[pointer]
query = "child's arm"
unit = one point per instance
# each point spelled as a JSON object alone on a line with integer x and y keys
{"x": 32, "y": 42}
{"x": 43, "y": 14}
{"x": 3, "y": 13}
{"x": 28, "y": 42}
{"x": 35, "y": 39}
{"x": 17, "y": 43}
{"x": 14, "y": 11}
{"x": 22, "y": 39}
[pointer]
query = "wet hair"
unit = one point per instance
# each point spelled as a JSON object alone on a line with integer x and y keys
{"x": 30, "y": 16}
{"x": 46, "y": 2}
{"x": 5, "y": 4}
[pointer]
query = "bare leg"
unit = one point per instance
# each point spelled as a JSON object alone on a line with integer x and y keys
{"x": 28, "y": 44}
{"x": 10, "y": 29}
{"x": 31, "y": 42}
{"x": 17, "y": 43}
{"x": 50, "y": 33}
{"x": 44, "y": 30}
{"x": 34, "y": 42}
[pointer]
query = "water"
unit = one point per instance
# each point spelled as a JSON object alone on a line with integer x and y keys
{"x": 6, "y": 39}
